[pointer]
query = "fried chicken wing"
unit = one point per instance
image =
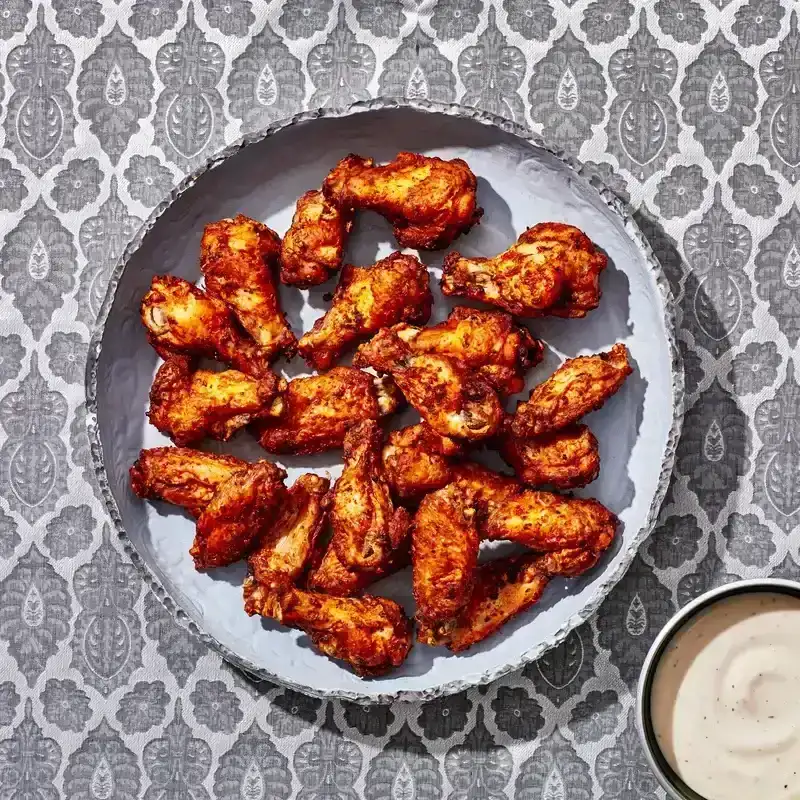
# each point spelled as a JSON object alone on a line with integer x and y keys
{"x": 189, "y": 404}
{"x": 313, "y": 246}
{"x": 504, "y": 588}
{"x": 237, "y": 259}
{"x": 488, "y": 488}
{"x": 452, "y": 400}
{"x": 237, "y": 516}
{"x": 286, "y": 546}
{"x": 372, "y": 634}
{"x": 428, "y": 201}
{"x": 180, "y": 475}
{"x": 444, "y": 553}
{"x": 487, "y": 342}
{"x": 552, "y": 269}
{"x": 578, "y": 386}
{"x": 565, "y": 459}
{"x": 367, "y": 299}
{"x": 313, "y": 414}
{"x": 180, "y": 318}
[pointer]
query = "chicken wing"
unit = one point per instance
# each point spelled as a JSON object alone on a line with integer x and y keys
{"x": 564, "y": 459}
{"x": 180, "y": 318}
{"x": 552, "y": 269}
{"x": 188, "y": 404}
{"x": 444, "y": 553}
{"x": 504, "y": 588}
{"x": 237, "y": 259}
{"x": 185, "y": 477}
{"x": 313, "y": 414}
{"x": 237, "y": 516}
{"x": 450, "y": 398}
{"x": 372, "y": 634}
{"x": 367, "y": 299}
{"x": 489, "y": 489}
{"x": 578, "y": 386}
{"x": 286, "y": 546}
{"x": 487, "y": 342}
{"x": 417, "y": 460}
{"x": 313, "y": 246}
{"x": 428, "y": 201}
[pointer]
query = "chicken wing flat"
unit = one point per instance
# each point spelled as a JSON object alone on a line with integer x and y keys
{"x": 444, "y": 553}
{"x": 372, "y": 634}
{"x": 238, "y": 515}
{"x": 185, "y": 477}
{"x": 552, "y": 269}
{"x": 313, "y": 414}
{"x": 545, "y": 522}
{"x": 286, "y": 546}
{"x": 188, "y": 404}
{"x": 367, "y": 299}
{"x": 313, "y": 246}
{"x": 488, "y": 342}
{"x": 578, "y": 386}
{"x": 417, "y": 460}
{"x": 180, "y": 318}
{"x": 489, "y": 489}
{"x": 504, "y": 588}
{"x": 428, "y": 201}
{"x": 237, "y": 259}
{"x": 565, "y": 459}
{"x": 454, "y": 401}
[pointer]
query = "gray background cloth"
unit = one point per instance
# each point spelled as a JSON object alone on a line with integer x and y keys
{"x": 687, "y": 107}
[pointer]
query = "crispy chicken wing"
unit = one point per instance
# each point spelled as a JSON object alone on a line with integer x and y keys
{"x": 188, "y": 404}
{"x": 185, "y": 477}
{"x": 552, "y": 269}
{"x": 372, "y": 634}
{"x": 428, "y": 201}
{"x": 367, "y": 299}
{"x": 313, "y": 414}
{"x": 313, "y": 246}
{"x": 237, "y": 516}
{"x": 489, "y": 489}
{"x": 450, "y": 398}
{"x": 578, "y": 386}
{"x": 237, "y": 259}
{"x": 487, "y": 342}
{"x": 180, "y": 318}
{"x": 286, "y": 546}
{"x": 444, "y": 552}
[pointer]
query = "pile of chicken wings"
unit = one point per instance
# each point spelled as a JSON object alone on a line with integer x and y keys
{"x": 409, "y": 496}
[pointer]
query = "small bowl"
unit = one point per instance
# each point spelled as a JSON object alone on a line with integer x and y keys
{"x": 672, "y": 784}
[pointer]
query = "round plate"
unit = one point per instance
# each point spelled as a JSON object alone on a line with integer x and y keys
{"x": 520, "y": 182}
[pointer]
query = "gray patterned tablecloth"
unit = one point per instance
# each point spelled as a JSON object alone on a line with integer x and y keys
{"x": 689, "y": 108}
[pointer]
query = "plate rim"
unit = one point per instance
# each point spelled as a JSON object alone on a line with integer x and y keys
{"x": 619, "y": 207}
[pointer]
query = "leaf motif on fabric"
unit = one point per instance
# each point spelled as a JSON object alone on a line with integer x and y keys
{"x": 561, "y": 665}
{"x": 553, "y": 788}
{"x": 714, "y": 443}
{"x": 101, "y": 786}
{"x": 791, "y": 267}
{"x": 180, "y": 650}
{"x": 718, "y": 304}
{"x": 33, "y": 608}
{"x": 567, "y": 91}
{"x": 403, "y": 784}
{"x": 555, "y": 771}
{"x": 417, "y": 86}
{"x": 719, "y": 95}
{"x": 116, "y": 88}
{"x": 266, "y": 87}
{"x": 636, "y": 618}
{"x": 38, "y": 261}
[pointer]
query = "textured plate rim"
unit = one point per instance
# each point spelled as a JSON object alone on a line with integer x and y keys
{"x": 622, "y": 210}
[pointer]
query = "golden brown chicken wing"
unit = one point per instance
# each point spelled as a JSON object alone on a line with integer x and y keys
{"x": 565, "y": 459}
{"x": 487, "y": 342}
{"x": 372, "y": 634}
{"x": 444, "y": 552}
{"x": 367, "y": 299}
{"x": 428, "y": 201}
{"x": 313, "y": 246}
{"x": 180, "y": 318}
{"x": 237, "y": 516}
{"x": 287, "y": 544}
{"x": 489, "y": 489}
{"x": 452, "y": 400}
{"x": 313, "y": 414}
{"x": 188, "y": 404}
{"x": 237, "y": 259}
{"x": 578, "y": 386}
{"x": 180, "y": 475}
{"x": 553, "y": 269}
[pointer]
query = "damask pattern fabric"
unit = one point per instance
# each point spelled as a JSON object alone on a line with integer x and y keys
{"x": 687, "y": 108}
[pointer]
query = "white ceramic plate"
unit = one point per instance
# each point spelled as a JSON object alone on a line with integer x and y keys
{"x": 520, "y": 182}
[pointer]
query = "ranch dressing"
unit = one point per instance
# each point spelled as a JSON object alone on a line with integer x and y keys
{"x": 725, "y": 700}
